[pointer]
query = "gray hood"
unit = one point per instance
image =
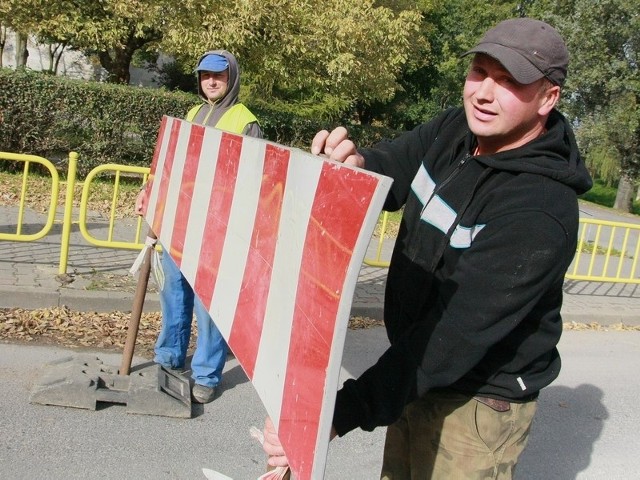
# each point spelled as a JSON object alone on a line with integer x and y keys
{"x": 233, "y": 90}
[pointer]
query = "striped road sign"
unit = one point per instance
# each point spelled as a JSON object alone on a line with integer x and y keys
{"x": 272, "y": 240}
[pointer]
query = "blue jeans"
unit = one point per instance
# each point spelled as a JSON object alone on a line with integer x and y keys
{"x": 178, "y": 303}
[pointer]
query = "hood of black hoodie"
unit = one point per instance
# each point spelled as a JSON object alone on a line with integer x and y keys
{"x": 554, "y": 154}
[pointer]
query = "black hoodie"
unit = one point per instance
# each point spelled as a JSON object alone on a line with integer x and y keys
{"x": 474, "y": 288}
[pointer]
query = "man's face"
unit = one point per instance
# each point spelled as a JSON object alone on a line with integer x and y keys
{"x": 214, "y": 84}
{"x": 501, "y": 112}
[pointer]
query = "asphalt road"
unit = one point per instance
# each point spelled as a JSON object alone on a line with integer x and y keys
{"x": 586, "y": 426}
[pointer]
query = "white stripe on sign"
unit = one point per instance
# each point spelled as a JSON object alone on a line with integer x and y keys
{"x": 169, "y": 218}
{"x": 238, "y": 241}
{"x": 274, "y": 350}
{"x": 201, "y": 196}
{"x": 171, "y": 189}
{"x": 159, "y": 156}
{"x": 183, "y": 210}
{"x": 164, "y": 166}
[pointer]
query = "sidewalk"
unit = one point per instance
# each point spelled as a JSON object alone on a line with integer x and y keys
{"x": 98, "y": 279}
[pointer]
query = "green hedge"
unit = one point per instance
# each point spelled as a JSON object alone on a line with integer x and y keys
{"x": 50, "y": 116}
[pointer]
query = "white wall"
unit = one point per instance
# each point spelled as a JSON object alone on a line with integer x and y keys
{"x": 72, "y": 64}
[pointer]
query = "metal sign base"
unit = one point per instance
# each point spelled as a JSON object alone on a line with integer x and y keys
{"x": 83, "y": 381}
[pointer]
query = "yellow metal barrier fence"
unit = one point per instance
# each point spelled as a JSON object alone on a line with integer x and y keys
{"x": 607, "y": 251}
{"x": 118, "y": 171}
{"x": 19, "y": 236}
{"x": 377, "y": 260}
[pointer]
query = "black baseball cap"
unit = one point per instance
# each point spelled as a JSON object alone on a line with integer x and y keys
{"x": 529, "y": 49}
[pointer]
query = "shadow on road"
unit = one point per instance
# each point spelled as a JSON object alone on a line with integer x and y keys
{"x": 601, "y": 289}
{"x": 567, "y": 424}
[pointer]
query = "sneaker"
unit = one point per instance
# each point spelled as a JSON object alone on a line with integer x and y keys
{"x": 202, "y": 394}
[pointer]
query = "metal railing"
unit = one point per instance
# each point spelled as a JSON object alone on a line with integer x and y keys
{"x": 28, "y": 160}
{"x": 115, "y": 172}
{"x": 607, "y": 251}
{"x": 378, "y": 260}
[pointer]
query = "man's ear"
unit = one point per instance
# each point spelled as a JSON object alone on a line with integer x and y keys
{"x": 549, "y": 99}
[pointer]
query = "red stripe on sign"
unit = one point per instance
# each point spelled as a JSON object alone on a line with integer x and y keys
{"x": 339, "y": 208}
{"x": 246, "y": 331}
{"x": 156, "y": 152}
{"x": 222, "y": 192}
{"x": 165, "y": 177}
{"x": 191, "y": 163}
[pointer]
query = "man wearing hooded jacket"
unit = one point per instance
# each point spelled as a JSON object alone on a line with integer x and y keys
{"x": 218, "y": 86}
{"x": 474, "y": 289}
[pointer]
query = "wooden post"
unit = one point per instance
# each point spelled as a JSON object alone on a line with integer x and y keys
{"x": 136, "y": 313}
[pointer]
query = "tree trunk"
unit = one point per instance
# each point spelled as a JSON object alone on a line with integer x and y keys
{"x": 3, "y": 42}
{"x": 55, "y": 52}
{"x": 624, "y": 196}
{"x": 118, "y": 60}
{"x": 22, "y": 53}
{"x": 57, "y": 58}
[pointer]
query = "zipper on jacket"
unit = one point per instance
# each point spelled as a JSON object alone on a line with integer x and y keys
{"x": 450, "y": 177}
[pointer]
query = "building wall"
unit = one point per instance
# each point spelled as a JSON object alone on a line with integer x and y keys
{"x": 73, "y": 64}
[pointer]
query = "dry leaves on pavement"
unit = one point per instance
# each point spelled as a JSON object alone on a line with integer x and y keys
{"x": 64, "y": 327}
{"x": 67, "y": 328}
{"x": 616, "y": 327}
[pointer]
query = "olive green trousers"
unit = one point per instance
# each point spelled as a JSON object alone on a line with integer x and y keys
{"x": 449, "y": 436}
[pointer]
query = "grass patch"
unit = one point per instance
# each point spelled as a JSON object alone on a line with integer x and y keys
{"x": 393, "y": 224}
{"x": 588, "y": 248}
{"x": 605, "y": 195}
{"x": 38, "y": 193}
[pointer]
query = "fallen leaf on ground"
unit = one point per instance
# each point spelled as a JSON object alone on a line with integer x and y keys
{"x": 104, "y": 330}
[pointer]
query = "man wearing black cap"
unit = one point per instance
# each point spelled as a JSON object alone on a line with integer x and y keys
{"x": 474, "y": 289}
{"x": 218, "y": 86}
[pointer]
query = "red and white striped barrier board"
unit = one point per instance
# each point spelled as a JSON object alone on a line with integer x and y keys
{"x": 272, "y": 240}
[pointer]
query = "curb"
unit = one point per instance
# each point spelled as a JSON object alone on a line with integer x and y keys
{"x": 106, "y": 301}
{"x": 78, "y": 300}
{"x": 602, "y": 318}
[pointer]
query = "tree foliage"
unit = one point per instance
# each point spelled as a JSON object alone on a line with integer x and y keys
{"x": 451, "y": 27}
{"x": 112, "y": 30}
{"x": 390, "y": 62}
{"x": 319, "y": 56}
{"x": 603, "y": 87}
